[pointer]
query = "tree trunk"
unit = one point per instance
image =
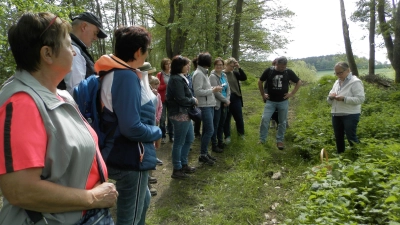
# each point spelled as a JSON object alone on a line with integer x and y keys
{"x": 168, "y": 31}
{"x": 372, "y": 22}
{"x": 385, "y": 30}
{"x": 236, "y": 30}
{"x": 116, "y": 17}
{"x": 396, "y": 47}
{"x": 347, "y": 42}
{"x": 218, "y": 25}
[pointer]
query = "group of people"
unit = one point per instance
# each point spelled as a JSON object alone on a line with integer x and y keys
{"x": 51, "y": 168}
{"x": 181, "y": 91}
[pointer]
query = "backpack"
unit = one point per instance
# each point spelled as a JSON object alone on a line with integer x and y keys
{"x": 87, "y": 96}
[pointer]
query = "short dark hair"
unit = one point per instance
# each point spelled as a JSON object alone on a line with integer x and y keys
{"x": 194, "y": 61}
{"x": 33, "y": 31}
{"x": 281, "y": 60}
{"x": 219, "y": 59}
{"x": 177, "y": 64}
{"x": 130, "y": 39}
{"x": 204, "y": 59}
{"x": 164, "y": 62}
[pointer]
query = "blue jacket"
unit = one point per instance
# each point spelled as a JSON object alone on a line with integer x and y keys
{"x": 128, "y": 110}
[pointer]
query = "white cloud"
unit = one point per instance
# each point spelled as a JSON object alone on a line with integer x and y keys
{"x": 318, "y": 30}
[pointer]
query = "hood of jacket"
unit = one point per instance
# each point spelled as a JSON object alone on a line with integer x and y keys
{"x": 110, "y": 62}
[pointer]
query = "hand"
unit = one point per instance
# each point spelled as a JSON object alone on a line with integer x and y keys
{"x": 237, "y": 65}
{"x": 157, "y": 143}
{"x": 104, "y": 195}
{"x": 154, "y": 91}
{"x": 197, "y": 101}
{"x": 227, "y": 104}
{"x": 332, "y": 96}
{"x": 216, "y": 89}
{"x": 265, "y": 97}
{"x": 339, "y": 98}
{"x": 287, "y": 95}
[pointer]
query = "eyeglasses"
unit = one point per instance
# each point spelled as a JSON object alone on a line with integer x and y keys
{"x": 48, "y": 26}
{"x": 340, "y": 73}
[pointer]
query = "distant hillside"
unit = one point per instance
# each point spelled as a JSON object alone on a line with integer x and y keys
{"x": 327, "y": 62}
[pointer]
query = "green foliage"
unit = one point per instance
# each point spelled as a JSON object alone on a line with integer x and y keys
{"x": 363, "y": 186}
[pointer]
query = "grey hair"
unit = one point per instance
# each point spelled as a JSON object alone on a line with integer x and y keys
{"x": 343, "y": 65}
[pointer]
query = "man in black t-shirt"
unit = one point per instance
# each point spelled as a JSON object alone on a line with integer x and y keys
{"x": 277, "y": 84}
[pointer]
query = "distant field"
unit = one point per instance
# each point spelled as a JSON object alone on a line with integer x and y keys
{"x": 388, "y": 72}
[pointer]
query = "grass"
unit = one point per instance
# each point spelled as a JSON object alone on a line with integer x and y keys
{"x": 388, "y": 72}
{"x": 238, "y": 189}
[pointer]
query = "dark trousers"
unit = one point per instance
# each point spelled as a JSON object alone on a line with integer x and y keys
{"x": 235, "y": 110}
{"x": 345, "y": 125}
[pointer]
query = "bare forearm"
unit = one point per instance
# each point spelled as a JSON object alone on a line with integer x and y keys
{"x": 296, "y": 88}
{"x": 26, "y": 190}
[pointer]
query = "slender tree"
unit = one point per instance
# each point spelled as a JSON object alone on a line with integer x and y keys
{"x": 372, "y": 22}
{"x": 347, "y": 42}
{"x": 236, "y": 29}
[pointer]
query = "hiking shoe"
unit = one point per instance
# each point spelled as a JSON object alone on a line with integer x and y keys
{"x": 163, "y": 141}
{"x": 188, "y": 169}
{"x": 280, "y": 145}
{"x": 216, "y": 149}
{"x": 152, "y": 180}
{"x": 206, "y": 160}
{"x": 221, "y": 146}
{"x": 179, "y": 174}
{"x": 228, "y": 140}
{"x": 212, "y": 158}
{"x": 153, "y": 191}
{"x": 159, "y": 162}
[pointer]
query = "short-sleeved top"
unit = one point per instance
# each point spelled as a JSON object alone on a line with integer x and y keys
{"x": 277, "y": 83}
{"x": 28, "y": 138}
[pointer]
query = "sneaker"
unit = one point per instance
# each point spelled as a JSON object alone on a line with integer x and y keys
{"x": 280, "y": 145}
{"x": 179, "y": 174}
{"x": 153, "y": 191}
{"x": 216, "y": 149}
{"x": 206, "y": 160}
{"x": 152, "y": 180}
{"x": 188, "y": 169}
{"x": 228, "y": 140}
{"x": 159, "y": 162}
{"x": 163, "y": 141}
{"x": 212, "y": 158}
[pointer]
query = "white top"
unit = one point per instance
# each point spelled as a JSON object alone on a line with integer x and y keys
{"x": 78, "y": 71}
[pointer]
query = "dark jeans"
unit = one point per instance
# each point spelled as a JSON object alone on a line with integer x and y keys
{"x": 219, "y": 121}
{"x": 164, "y": 118}
{"x": 345, "y": 125}
{"x": 207, "y": 116}
{"x": 235, "y": 110}
{"x": 197, "y": 126}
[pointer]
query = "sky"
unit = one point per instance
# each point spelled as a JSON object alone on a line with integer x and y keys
{"x": 318, "y": 30}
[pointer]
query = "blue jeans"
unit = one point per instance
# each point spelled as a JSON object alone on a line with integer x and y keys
{"x": 345, "y": 125}
{"x": 184, "y": 138}
{"x": 133, "y": 195}
{"x": 219, "y": 121}
{"x": 163, "y": 120}
{"x": 269, "y": 109}
{"x": 207, "y": 117}
{"x": 235, "y": 110}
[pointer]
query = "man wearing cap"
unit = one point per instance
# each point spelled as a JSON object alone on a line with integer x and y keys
{"x": 86, "y": 28}
{"x": 276, "y": 98}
